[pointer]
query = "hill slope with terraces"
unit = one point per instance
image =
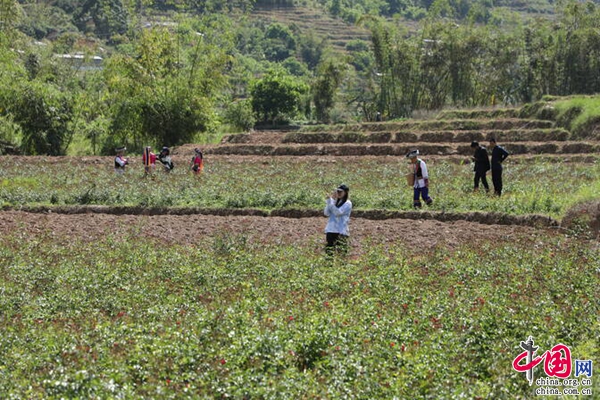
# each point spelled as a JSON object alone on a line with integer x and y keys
{"x": 439, "y": 137}
{"x": 314, "y": 21}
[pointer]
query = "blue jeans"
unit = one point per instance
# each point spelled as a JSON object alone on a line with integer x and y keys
{"x": 421, "y": 192}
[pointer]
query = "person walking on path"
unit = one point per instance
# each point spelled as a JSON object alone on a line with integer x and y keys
{"x": 338, "y": 208}
{"x": 197, "y": 162}
{"x": 120, "y": 160}
{"x": 482, "y": 165}
{"x": 420, "y": 179}
{"x": 499, "y": 154}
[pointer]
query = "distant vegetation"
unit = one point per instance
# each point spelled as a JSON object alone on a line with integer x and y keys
{"x": 175, "y": 72}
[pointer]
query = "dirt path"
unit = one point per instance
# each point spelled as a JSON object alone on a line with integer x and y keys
{"x": 419, "y": 235}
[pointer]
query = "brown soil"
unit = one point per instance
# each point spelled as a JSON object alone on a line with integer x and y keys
{"x": 415, "y": 235}
{"x": 584, "y": 219}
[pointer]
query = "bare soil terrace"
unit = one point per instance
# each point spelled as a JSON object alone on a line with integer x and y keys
{"x": 413, "y": 235}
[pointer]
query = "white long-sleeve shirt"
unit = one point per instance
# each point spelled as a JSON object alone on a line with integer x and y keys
{"x": 338, "y": 217}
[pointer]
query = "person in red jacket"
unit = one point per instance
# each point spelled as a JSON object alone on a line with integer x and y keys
{"x": 149, "y": 160}
{"x": 197, "y": 161}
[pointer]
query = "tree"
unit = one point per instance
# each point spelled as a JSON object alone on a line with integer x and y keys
{"x": 164, "y": 93}
{"x": 279, "y": 42}
{"x": 109, "y": 16}
{"x": 312, "y": 50}
{"x": 324, "y": 88}
{"x": 276, "y": 96}
{"x": 44, "y": 113}
{"x": 239, "y": 115}
{"x": 9, "y": 15}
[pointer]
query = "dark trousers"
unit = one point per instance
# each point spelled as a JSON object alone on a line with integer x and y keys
{"x": 497, "y": 181}
{"x": 481, "y": 175}
{"x": 336, "y": 243}
{"x": 421, "y": 192}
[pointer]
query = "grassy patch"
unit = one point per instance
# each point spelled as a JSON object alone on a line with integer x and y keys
{"x": 579, "y": 114}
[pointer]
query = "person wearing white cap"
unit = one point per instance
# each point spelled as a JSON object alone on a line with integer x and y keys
{"x": 338, "y": 208}
{"x": 421, "y": 179}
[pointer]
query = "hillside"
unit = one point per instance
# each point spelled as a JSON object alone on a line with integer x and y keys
{"x": 174, "y": 74}
{"x": 313, "y": 21}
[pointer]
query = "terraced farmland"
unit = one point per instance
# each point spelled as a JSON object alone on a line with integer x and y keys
{"x": 311, "y": 21}
{"x": 440, "y": 137}
{"x": 216, "y": 286}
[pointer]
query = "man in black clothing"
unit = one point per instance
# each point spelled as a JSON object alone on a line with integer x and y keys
{"x": 482, "y": 165}
{"x": 499, "y": 154}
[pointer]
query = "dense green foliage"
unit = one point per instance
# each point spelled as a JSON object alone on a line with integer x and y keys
{"x": 171, "y": 72}
{"x": 130, "y": 318}
{"x": 276, "y": 96}
{"x": 470, "y": 65}
{"x": 275, "y": 183}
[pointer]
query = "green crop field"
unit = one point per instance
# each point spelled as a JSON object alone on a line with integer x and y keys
{"x": 541, "y": 187}
{"x": 229, "y": 317}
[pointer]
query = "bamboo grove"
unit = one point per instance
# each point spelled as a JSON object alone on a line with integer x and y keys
{"x": 478, "y": 65}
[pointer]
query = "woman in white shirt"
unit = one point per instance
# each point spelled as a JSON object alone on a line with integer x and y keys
{"x": 338, "y": 209}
